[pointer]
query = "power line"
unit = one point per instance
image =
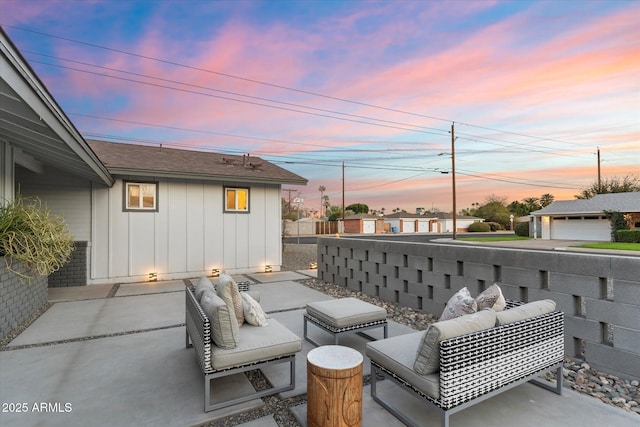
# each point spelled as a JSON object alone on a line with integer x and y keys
{"x": 205, "y": 88}
{"x": 255, "y": 81}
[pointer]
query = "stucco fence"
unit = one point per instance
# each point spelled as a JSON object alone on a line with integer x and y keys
{"x": 599, "y": 294}
{"x": 19, "y": 300}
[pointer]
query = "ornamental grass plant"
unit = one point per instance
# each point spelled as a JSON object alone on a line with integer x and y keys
{"x": 33, "y": 236}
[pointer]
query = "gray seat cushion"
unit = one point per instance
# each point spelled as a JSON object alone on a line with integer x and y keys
{"x": 257, "y": 344}
{"x": 345, "y": 312}
{"x": 397, "y": 354}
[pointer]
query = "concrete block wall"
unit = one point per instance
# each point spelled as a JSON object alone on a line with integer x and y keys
{"x": 599, "y": 293}
{"x": 74, "y": 273}
{"x": 19, "y": 300}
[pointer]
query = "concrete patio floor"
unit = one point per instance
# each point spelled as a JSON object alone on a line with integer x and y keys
{"x": 96, "y": 360}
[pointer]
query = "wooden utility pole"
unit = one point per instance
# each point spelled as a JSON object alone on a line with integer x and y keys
{"x": 599, "y": 183}
{"x": 343, "y": 191}
{"x": 453, "y": 178}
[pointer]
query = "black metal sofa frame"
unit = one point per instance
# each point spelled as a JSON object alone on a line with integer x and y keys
{"x": 198, "y": 336}
{"x": 478, "y": 366}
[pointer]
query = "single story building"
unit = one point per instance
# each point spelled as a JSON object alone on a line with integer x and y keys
{"x": 404, "y": 222}
{"x": 363, "y": 224}
{"x": 586, "y": 219}
{"x": 445, "y": 222}
{"x": 134, "y": 210}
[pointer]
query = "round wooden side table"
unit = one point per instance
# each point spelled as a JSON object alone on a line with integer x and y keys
{"x": 334, "y": 387}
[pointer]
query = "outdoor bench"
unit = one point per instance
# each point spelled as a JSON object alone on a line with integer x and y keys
{"x": 258, "y": 347}
{"x": 472, "y": 367}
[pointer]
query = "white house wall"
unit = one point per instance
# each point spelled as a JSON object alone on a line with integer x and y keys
{"x": 187, "y": 237}
{"x": 66, "y": 195}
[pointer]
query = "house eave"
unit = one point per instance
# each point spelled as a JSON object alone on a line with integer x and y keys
{"x": 202, "y": 177}
{"x": 38, "y": 126}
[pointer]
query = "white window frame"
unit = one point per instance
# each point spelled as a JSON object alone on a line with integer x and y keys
{"x": 150, "y": 187}
{"x": 235, "y": 209}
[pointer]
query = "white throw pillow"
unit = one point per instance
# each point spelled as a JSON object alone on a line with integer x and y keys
{"x": 491, "y": 298}
{"x": 228, "y": 291}
{"x": 253, "y": 313}
{"x": 459, "y": 304}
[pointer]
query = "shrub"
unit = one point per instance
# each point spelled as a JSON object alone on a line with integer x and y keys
{"x": 521, "y": 229}
{"x": 628, "y": 236}
{"x": 618, "y": 222}
{"x": 495, "y": 226}
{"x": 33, "y": 236}
{"x": 479, "y": 227}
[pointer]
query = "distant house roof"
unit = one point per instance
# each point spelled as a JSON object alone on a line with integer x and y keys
{"x": 145, "y": 160}
{"x": 403, "y": 215}
{"x": 620, "y": 202}
{"x": 447, "y": 215}
{"x": 362, "y": 216}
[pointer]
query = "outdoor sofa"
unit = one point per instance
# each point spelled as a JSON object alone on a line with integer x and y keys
{"x": 521, "y": 343}
{"x": 251, "y": 347}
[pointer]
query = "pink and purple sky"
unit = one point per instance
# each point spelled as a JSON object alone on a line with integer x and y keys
{"x": 534, "y": 87}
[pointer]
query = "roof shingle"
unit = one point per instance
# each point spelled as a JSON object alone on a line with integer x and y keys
{"x": 144, "y": 160}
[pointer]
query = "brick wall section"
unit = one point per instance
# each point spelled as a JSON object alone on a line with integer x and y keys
{"x": 19, "y": 301}
{"x": 74, "y": 273}
{"x": 599, "y": 294}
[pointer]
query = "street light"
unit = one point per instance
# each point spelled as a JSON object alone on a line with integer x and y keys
{"x": 511, "y": 220}
{"x": 298, "y": 200}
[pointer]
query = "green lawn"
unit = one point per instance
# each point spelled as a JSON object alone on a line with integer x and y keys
{"x": 494, "y": 238}
{"x": 612, "y": 245}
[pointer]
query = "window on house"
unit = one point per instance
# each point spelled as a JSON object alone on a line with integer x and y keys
{"x": 236, "y": 199}
{"x": 141, "y": 196}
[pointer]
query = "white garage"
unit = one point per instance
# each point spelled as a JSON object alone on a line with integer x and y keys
{"x": 369, "y": 226}
{"x": 586, "y": 219}
{"x": 580, "y": 228}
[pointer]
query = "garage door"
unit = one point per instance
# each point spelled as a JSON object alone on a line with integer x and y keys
{"x": 423, "y": 227}
{"x": 581, "y": 229}
{"x": 408, "y": 226}
{"x": 369, "y": 226}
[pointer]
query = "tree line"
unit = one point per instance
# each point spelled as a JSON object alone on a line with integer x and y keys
{"x": 494, "y": 209}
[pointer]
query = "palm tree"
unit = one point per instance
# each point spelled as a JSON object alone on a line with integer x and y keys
{"x": 532, "y": 203}
{"x": 322, "y": 189}
{"x": 546, "y": 199}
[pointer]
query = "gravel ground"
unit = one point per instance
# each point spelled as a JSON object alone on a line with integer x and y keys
{"x": 578, "y": 375}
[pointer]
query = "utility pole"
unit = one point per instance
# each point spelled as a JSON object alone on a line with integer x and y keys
{"x": 453, "y": 178}
{"x": 343, "y": 191}
{"x": 599, "y": 183}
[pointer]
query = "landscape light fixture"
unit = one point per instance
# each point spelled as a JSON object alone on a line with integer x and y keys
{"x": 215, "y": 272}
{"x": 153, "y": 277}
{"x": 268, "y": 268}
{"x": 313, "y": 265}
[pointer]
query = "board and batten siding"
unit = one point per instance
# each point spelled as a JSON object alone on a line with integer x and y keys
{"x": 188, "y": 236}
{"x": 64, "y": 194}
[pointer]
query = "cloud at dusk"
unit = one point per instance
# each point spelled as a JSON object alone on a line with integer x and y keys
{"x": 533, "y": 89}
